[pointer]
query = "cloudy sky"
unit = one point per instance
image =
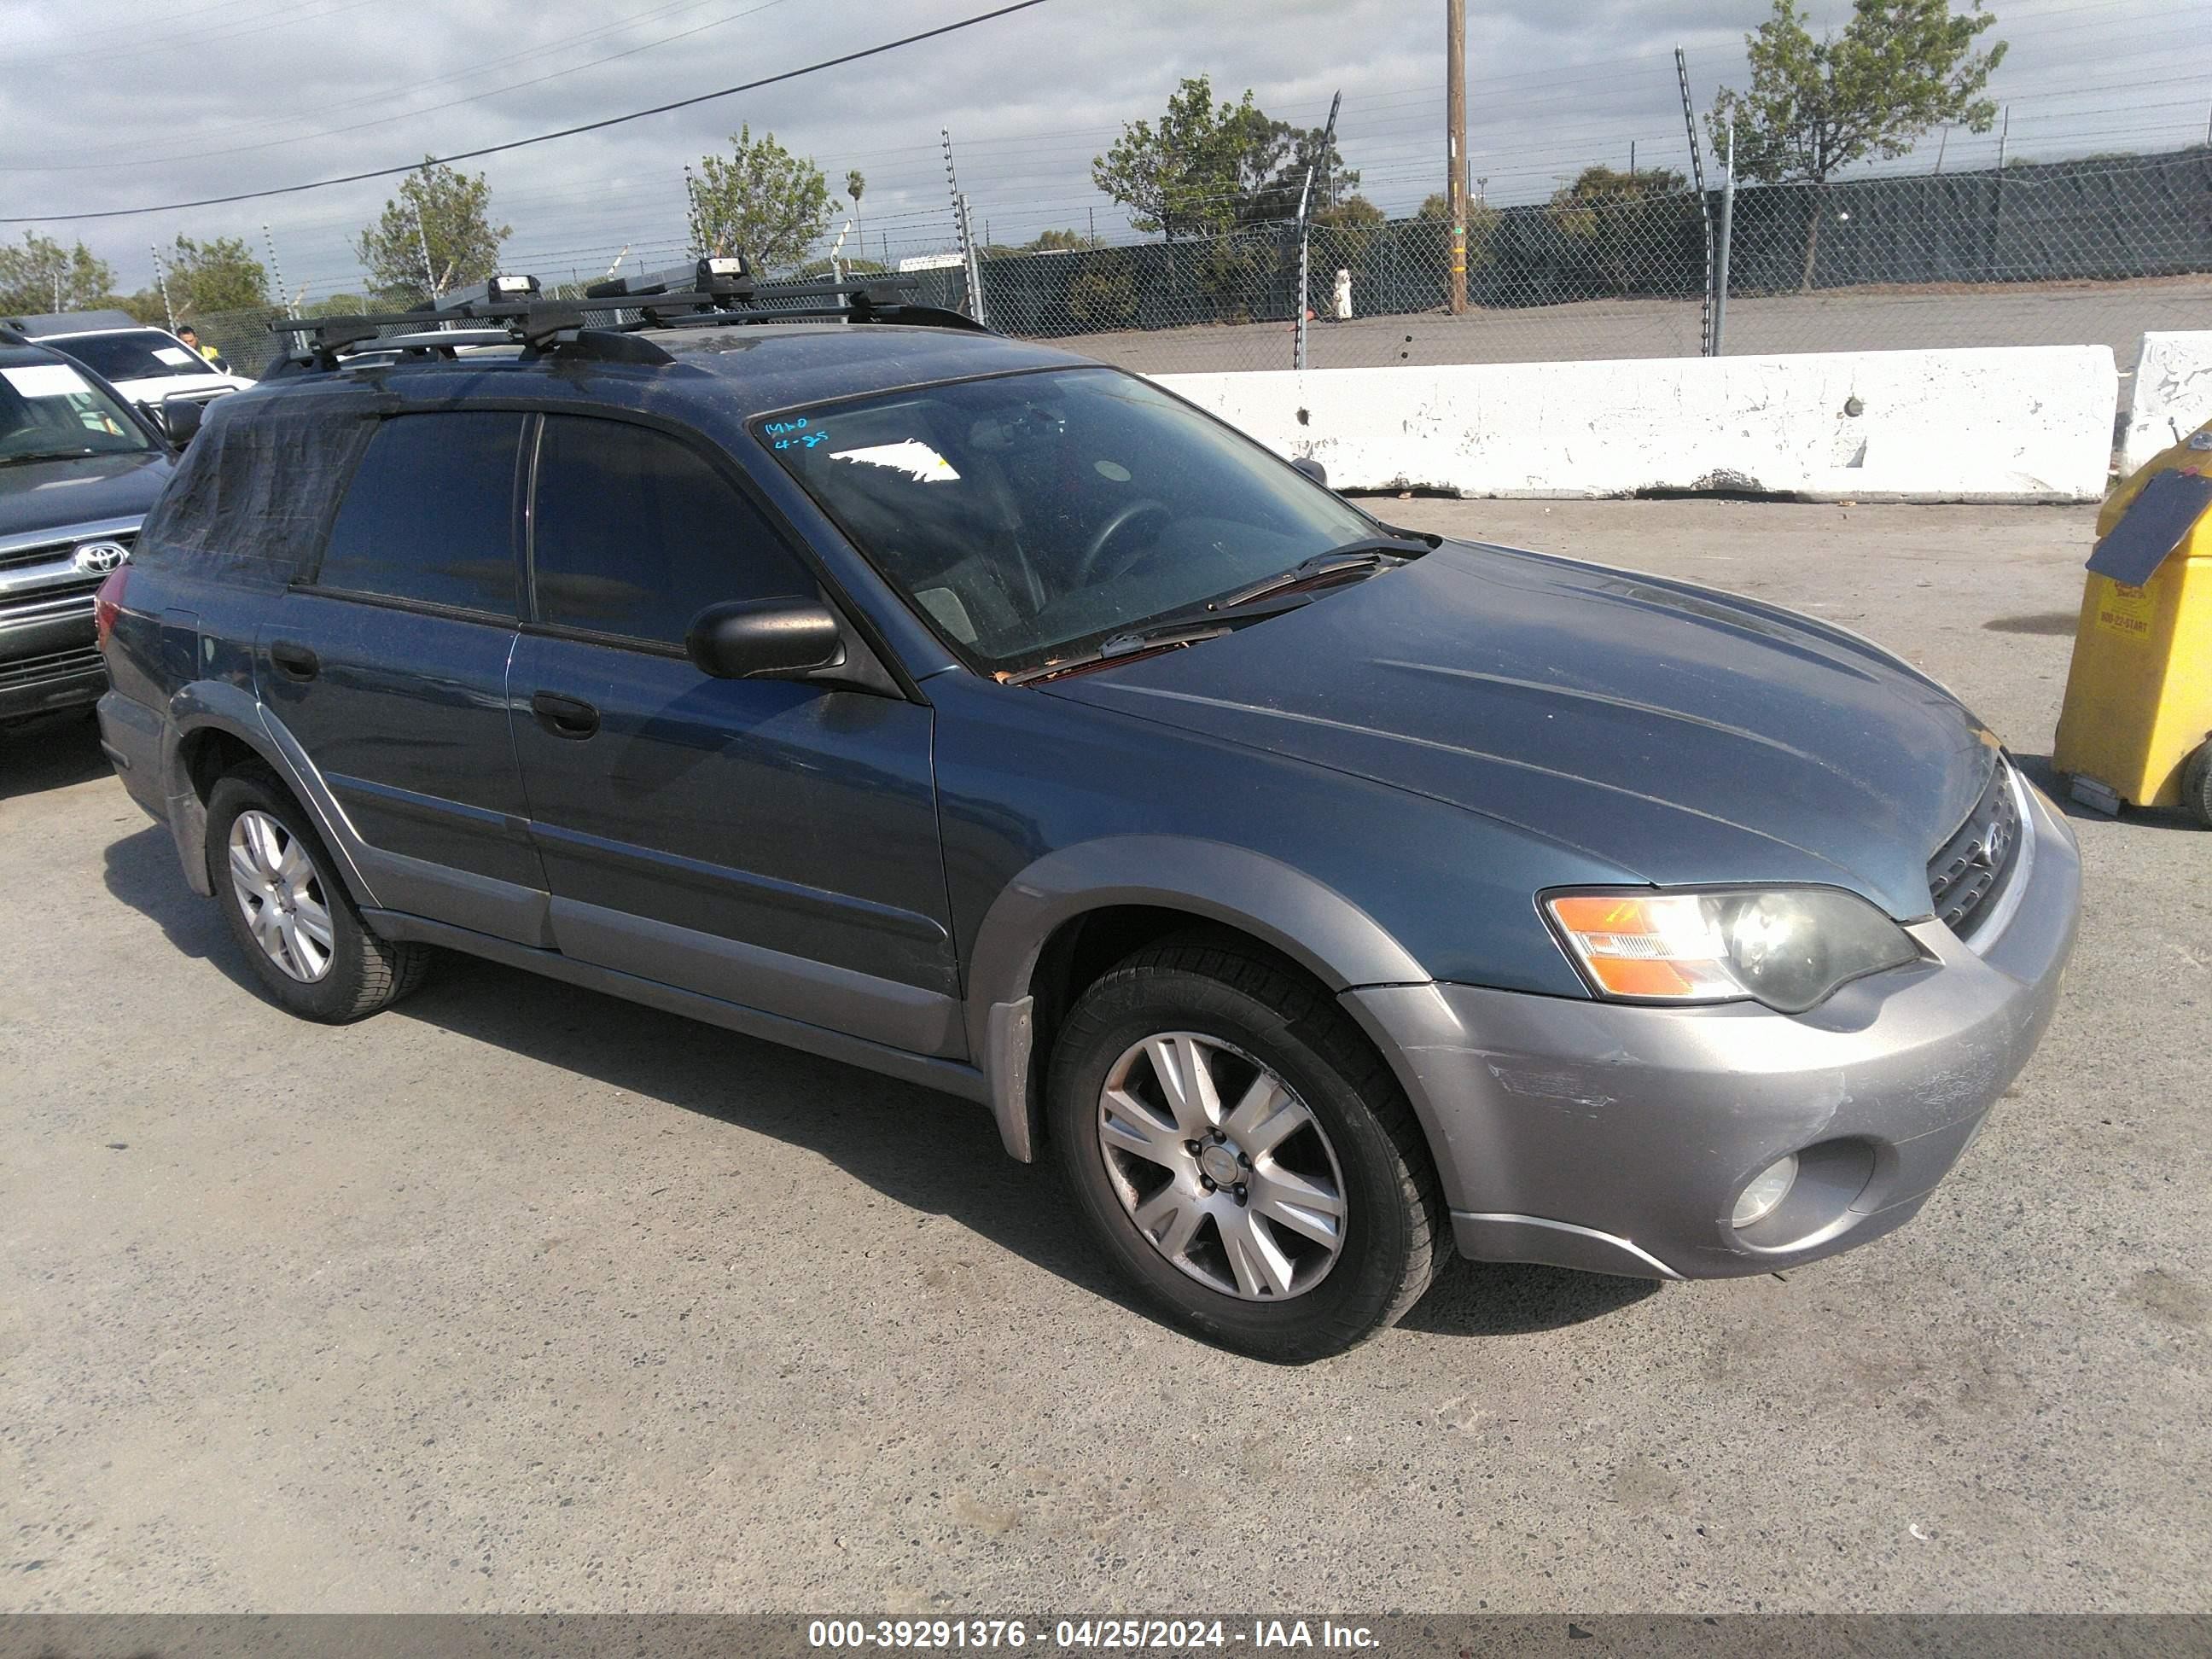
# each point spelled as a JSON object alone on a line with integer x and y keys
{"x": 100, "y": 108}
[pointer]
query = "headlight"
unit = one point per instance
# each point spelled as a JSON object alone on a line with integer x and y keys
{"x": 1788, "y": 948}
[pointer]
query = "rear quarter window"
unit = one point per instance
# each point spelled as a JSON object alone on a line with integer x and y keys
{"x": 428, "y": 515}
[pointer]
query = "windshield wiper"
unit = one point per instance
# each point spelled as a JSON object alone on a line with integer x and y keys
{"x": 1360, "y": 558}
{"x": 54, "y": 455}
{"x": 1138, "y": 641}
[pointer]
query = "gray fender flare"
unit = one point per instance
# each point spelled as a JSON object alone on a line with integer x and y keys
{"x": 1312, "y": 924}
{"x": 203, "y": 705}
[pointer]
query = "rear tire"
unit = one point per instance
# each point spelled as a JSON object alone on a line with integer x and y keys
{"x": 290, "y": 911}
{"x": 1309, "y": 1217}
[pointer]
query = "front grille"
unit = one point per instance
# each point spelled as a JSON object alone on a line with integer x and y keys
{"x": 51, "y": 552}
{"x": 76, "y": 587}
{"x": 54, "y": 666}
{"x": 1971, "y": 869}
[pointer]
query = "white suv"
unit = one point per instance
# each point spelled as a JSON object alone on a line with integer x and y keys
{"x": 147, "y": 365}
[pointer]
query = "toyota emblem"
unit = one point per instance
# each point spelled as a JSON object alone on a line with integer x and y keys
{"x": 99, "y": 557}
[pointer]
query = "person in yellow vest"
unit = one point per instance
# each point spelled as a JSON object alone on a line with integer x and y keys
{"x": 191, "y": 338}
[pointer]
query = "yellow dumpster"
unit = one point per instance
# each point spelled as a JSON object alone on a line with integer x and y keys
{"x": 2136, "y": 726}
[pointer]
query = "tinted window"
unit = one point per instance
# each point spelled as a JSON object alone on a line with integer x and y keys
{"x": 633, "y": 534}
{"x": 140, "y": 354}
{"x": 430, "y": 514}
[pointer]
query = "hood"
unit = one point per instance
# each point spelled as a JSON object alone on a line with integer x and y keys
{"x": 60, "y": 495}
{"x": 1682, "y": 735}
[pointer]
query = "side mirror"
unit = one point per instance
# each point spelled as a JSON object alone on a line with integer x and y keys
{"x": 180, "y": 419}
{"x": 1313, "y": 469}
{"x": 765, "y": 639}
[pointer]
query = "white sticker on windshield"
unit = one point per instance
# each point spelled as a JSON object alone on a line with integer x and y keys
{"x": 909, "y": 455}
{"x": 45, "y": 381}
{"x": 175, "y": 356}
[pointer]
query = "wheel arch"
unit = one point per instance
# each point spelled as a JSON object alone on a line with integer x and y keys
{"x": 212, "y": 727}
{"x": 1075, "y": 911}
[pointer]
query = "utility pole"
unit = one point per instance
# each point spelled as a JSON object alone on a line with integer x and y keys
{"x": 1455, "y": 145}
{"x": 2004, "y": 131}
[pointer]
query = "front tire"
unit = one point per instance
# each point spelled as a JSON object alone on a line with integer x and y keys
{"x": 1244, "y": 1156}
{"x": 2196, "y": 783}
{"x": 290, "y": 913}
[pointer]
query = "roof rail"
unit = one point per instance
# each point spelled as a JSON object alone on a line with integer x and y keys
{"x": 716, "y": 292}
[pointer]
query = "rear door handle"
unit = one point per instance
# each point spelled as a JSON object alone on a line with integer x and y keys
{"x": 294, "y": 662}
{"x": 564, "y": 717}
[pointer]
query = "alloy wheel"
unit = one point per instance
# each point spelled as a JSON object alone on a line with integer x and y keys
{"x": 1224, "y": 1169}
{"x": 280, "y": 895}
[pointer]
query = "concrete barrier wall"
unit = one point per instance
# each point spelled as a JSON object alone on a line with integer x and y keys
{"x": 2011, "y": 424}
{"x": 2173, "y": 395}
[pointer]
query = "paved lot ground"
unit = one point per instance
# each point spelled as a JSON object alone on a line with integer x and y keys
{"x": 518, "y": 1297}
{"x": 1852, "y": 319}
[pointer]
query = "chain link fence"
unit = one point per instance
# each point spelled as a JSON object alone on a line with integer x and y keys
{"x": 2048, "y": 253}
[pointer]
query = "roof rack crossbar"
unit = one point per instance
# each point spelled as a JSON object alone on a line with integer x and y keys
{"x": 723, "y": 294}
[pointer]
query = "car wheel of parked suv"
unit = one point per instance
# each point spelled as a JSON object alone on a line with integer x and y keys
{"x": 1244, "y": 1154}
{"x": 289, "y": 912}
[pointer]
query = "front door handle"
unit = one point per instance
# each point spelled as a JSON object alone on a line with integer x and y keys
{"x": 564, "y": 717}
{"x": 293, "y": 661}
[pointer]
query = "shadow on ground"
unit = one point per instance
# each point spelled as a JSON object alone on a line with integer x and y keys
{"x": 50, "y": 751}
{"x": 2040, "y": 772}
{"x": 932, "y": 1152}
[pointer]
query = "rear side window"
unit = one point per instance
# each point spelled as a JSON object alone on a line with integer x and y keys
{"x": 633, "y": 534}
{"x": 429, "y": 515}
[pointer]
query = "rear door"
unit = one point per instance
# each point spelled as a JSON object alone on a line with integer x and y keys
{"x": 389, "y": 669}
{"x": 772, "y": 843}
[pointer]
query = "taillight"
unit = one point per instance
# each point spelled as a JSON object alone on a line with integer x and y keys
{"x": 107, "y": 604}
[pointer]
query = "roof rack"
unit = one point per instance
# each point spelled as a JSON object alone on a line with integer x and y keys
{"x": 716, "y": 292}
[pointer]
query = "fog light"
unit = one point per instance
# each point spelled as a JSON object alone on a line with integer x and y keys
{"x": 1768, "y": 1188}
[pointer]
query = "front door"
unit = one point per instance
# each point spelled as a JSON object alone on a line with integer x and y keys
{"x": 772, "y": 843}
{"x": 389, "y": 669}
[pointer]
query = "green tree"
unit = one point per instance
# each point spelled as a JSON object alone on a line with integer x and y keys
{"x": 761, "y": 200}
{"x": 1631, "y": 232}
{"x": 446, "y": 212}
{"x": 1899, "y": 68}
{"x": 1207, "y": 168}
{"x": 1481, "y": 225}
{"x": 1058, "y": 241}
{"x": 855, "y": 182}
{"x": 41, "y": 275}
{"x": 220, "y": 274}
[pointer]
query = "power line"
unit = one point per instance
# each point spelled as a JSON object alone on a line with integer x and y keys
{"x": 540, "y": 138}
{"x": 409, "y": 115}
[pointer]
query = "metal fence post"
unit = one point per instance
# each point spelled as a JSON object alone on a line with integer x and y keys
{"x": 284, "y": 295}
{"x": 1704, "y": 207}
{"x": 161, "y": 281}
{"x": 1721, "y": 258}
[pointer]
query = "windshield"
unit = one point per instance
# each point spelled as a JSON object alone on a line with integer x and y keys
{"x": 1033, "y": 514}
{"x": 137, "y": 354}
{"x": 48, "y": 408}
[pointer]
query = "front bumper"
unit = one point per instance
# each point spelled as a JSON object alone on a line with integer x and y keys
{"x": 1615, "y": 1138}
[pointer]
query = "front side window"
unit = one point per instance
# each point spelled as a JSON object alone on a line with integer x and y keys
{"x": 633, "y": 534}
{"x": 134, "y": 353}
{"x": 1028, "y": 514}
{"x": 49, "y": 411}
{"x": 429, "y": 514}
